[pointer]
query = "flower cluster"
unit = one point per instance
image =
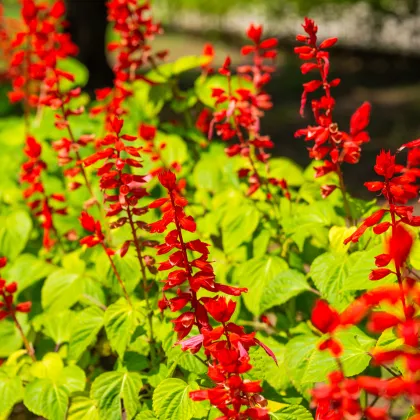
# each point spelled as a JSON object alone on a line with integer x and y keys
{"x": 119, "y": 158}
{"x": 39, "y": 201}
{"x": 240, "y": 106}
{"x": 331, "y": 144}
{"x": 39, "y": 51}
{"x": 393, "y": 307}
{"x": 226, "y": 346}
{"x": 134, "y": 25}
{"x": 37, "y": 47}
{"x": 397, "y": 187}
{"x": 7, "y": 291}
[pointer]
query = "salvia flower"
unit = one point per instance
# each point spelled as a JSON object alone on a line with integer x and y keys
{"x": 227, "y": 345}
{"x": 38, "y": 200}
{"x": 330, "y": 143}
{"x": 239, "y": 111}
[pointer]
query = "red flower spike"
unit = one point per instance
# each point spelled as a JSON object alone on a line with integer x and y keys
{"x": 227, "y": 345}
{"x": 238, "y": 113}
{"x": 331, "y": 144}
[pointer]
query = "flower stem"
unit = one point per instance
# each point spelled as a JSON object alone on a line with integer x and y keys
{"x": 27, "y": 344}
{"x": 349, "y": 218}
{"x": 117, "y": 275}
{"x": 145, "y": 285}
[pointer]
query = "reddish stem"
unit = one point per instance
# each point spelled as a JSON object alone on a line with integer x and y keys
{"x": 117, "y": 275}
{"x": 12, "y": 311}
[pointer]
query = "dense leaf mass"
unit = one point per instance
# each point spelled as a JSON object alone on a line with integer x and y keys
{"x": 159, "y": 266}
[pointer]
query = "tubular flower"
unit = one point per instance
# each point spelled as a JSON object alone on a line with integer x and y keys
{"x": 227, "y": 345}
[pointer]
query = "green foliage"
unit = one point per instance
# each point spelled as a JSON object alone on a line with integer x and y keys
{"x": 115, "y": 390}
{"x": 103, "y": 351}
{"x": 120, "y": 321}
{"x": 171, "y": 400}
{"x": 257, "y": 275}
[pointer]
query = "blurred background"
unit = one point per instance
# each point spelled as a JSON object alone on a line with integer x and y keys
{"x": 377, "y": 58}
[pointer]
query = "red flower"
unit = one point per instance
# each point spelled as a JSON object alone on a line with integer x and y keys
{"x": 220, "y": 308}
{"x": 324, "y": 317}
{"x": 167, "y": 179}
{"x": 385, "y": 164}
{"x": 399, "y": 245}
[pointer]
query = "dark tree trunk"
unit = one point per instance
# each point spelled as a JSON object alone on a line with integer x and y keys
{"x": 88, "y": 23}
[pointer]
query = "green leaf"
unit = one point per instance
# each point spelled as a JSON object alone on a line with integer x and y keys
{"x": 73, "y": 378}
{"x": 128, "y": 268}
{"x": 171, "y": 400}
{"x": 283, "y": 168}
{"x": 337, "y": 235}
{"x": 283, "y": 287}
{"x": 311, "y": 222}
{"x": 150, "y": 99}
{"x": 255, "y": 275}
{"x": 184, "y": 359}
{"x": 329, "y": 272}
{"x": 10, "y": 338}
{"x": 115, "y": 390}
{"x": 83, "y": 408}
{"x": 292, "y": 412}
{"x": 263, "y": 366}
{"x": 238, "y": 227}
{"x": 27, "y": 270}
{"x": 187, "y": 62}
{"x": 61, "y": 290}
{"x": 14, "y": 233}
{"x": 50, "y": 367}
{"x": 361, "y": 263}
{"x": 58, "y": 325}
{"x": 11, "y": 392}
{"x": 85, "y": 329}
{"x": 208, "y": 173}
{"x": 146, "y": 415}
{"x": 306, "y": 364}
{"x": 175, "y": 149}
{"x": 388, "y": 340}
{"x": 77, "y": 69}
{"x": 120, "y": 322}
{"x": 46, "y": 399}
{"x": 336, "y": 276}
